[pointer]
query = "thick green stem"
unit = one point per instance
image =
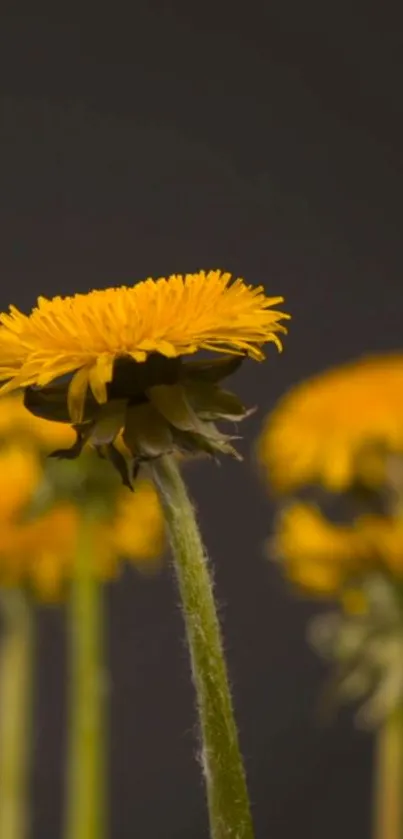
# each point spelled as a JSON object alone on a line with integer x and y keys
{"x": 85, "y": 801}
{"x": 16, "y": 664}
{"x": 388, "y": 787}
{"x": 227, "y": 794}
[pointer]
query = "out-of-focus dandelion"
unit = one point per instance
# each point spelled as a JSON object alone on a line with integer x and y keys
{"x": 336, "y": 428}
{"x": 44, "y": 507}
{"x": 135, "y": 395}
{"x": 324, "y": 558}
{"x": 332, "y": 451}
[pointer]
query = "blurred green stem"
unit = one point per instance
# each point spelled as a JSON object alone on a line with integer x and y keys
{"x": 227, "y": 794}
{"x": 388, "y": 792}
{"x": 85, "y": 816}
{"x": 16, "y": 664}
{"x": 388, "y": 784}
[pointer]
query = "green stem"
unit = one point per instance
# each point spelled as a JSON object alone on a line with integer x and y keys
{"x": 227, "y": 794}
{"x": 388, "y": 792}
{"x": 16, "y": 659}
{"x": 85, "y": 805}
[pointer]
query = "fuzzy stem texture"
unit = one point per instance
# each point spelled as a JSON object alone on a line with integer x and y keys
{"x": 16, "y": 665}
{"x": 85, "y": 816}
{"x": 227, "y": 795}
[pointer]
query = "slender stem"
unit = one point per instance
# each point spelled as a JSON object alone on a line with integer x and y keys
{"x": 85, "y": 810}
{"x": 227, "y": 794}
{"x": 388, "y": 792}
{"x": 16, "y": 660}
{"x": 388, "y": 777}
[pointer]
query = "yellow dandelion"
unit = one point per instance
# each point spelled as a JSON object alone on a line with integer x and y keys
{"x": 19, "y": 424}
{"x": 87, "y": 333}
{"x": 327, "y": 558}
{"x": 39, "y": 549}
{"x": 336, "y": 427}
{"x": 130, "y": 390}
{"x": 381, "y": 538}
{"x": 40, "y": 552}
{"x": 138, "y": 529}
{"x": 20, "y": 473}
{"x": 317, "y": 555}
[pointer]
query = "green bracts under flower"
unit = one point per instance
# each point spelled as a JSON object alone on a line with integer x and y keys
{"x": 366, "y": 650}
{"x": 159, "y": 407}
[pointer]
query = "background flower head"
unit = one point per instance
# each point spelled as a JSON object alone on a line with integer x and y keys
{"x": 326, "y": 558}
{"x": 333, "y": 450}
{"x": 20, "y": 425}
{"x": 40, "y": 552}
{"x": 336, "y": 427}
{"x": 38, "y": 540}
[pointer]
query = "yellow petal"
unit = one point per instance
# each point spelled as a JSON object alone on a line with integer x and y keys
{"x": 99, "y": 374}
{"x": 76, "y": 394}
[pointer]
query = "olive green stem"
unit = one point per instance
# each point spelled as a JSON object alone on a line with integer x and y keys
{"x": 16, "y": 666}
{"x": 227, "y": 795}
{"x": 388, "y": 786}
{"x": 388, "y": 769}
{"x": 85, "y": 799}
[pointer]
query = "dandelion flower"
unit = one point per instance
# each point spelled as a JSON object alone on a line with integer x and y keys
{"x": 40, "y": 552}
{"x": 336, "y": 427}
{"x": 19, "y": 424}
{"x": 38, "y": 546}
{"x": 123, "y": 351}
{"x": 116, "y": 364}
{"x": 174, "y": 317}
{"x": 325, "y": 558}
{"x": 315, "y": 553}
{"x": 20, "y": 474}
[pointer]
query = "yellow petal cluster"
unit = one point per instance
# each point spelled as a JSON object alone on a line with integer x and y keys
{"x": 18, "y": 424}
{"x": 40, "y": 551}
{"x": 325, "y": 558}
{"x": 86, "y": 334}
{"x": 336, "y": 427}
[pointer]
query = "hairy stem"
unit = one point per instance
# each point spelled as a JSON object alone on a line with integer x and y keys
{"x": 227, "y": 794}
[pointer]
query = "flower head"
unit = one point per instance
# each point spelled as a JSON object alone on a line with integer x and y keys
{"x": 337, "y": 427}
{"x": 130, "y": 390}
{"x": 174, "y": 317}
{"x": 40, "y": 552}
{"x": 28, "y": 431}
{"x": 328, "y": 559}
{"x": 41, "y": 502}
{"x": 314, "y": 552}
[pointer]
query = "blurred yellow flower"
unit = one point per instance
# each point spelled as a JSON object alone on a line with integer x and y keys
{"x": 327, "y": 559}
{"x": 16, "y": 422}
{"x": 20, "y": 474}
{"x": 336, "y": 427}
{"x": 316, "y": 554}
{"x": 87, "y": 333}
{"x": 40, "y": 551}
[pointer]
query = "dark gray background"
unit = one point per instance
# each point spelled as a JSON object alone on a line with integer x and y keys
{"x": 267, "y": 143}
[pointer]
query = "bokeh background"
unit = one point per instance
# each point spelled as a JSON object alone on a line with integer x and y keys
{"x": 160, "y": 138}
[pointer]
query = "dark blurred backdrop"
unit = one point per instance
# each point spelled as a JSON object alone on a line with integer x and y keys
{"x": 172, "y": 138}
